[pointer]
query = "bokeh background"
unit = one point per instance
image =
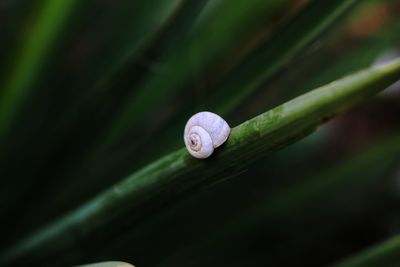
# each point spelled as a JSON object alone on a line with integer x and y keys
{"x": 88, "y": 95}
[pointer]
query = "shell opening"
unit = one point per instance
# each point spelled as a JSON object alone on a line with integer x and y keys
{"x": 198, "y": 142}
{"x": 195, "y": 142}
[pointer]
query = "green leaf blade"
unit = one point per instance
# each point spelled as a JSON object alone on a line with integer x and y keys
{"x": 42, "y": 38}
{"x": 384, "y": 254}
{"x": 177, "y": 173}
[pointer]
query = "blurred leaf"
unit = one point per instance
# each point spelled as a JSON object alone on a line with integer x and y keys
{"x": 328, "y": 63}
{"x": 168, "y": 178}
{"x": 303, "y": 29}
{"x": 227, "y": 23}
{"x": 154, "y": 29}
{"x": 108, "y": 264}
{"x": 34, "y": 53}
{"x": 353, "y": 58}
{"x": 304, "y": 193}
{"x": 106, "y": 68}
{"x": 259, "y": 65}
{"x": 384, "y": 254}
{"x": 174, "y": 70}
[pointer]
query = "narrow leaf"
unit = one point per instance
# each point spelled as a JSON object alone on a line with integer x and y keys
{"x": 41, "y": 39}
{"x": 177, "y": 173}
{"x": 227, "y": 23}
{"x": 244, "y": 79}
{"x": 301, "y": 197}
{"x": 260, "y": 65}
{"x": 314, "y": 20}
{"x": 384, "y": 254}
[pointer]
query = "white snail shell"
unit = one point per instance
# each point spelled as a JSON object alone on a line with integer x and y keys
{"x": 205, "y": 131}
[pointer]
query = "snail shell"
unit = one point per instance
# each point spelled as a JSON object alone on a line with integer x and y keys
{"x": 205, "y": 131}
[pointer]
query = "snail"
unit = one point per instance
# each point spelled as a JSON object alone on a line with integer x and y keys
{"x": 205, "y": 131}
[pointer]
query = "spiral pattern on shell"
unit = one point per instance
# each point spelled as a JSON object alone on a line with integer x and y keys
{"x": 205, "y": 131}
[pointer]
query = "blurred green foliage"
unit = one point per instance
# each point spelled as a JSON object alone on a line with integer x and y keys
{"x": 92, "y": 91}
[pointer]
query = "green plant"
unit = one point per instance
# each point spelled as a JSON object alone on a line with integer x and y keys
{"x": 95, "y": 96}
